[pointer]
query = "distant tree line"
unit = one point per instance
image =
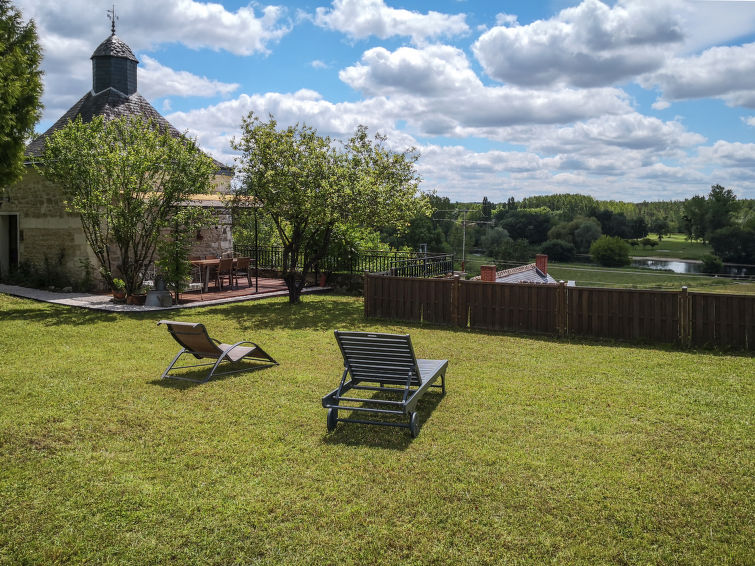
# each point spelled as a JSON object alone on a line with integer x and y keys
{"x": 566, "y": 225}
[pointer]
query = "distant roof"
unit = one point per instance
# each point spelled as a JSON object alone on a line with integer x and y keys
{"x": 114, "y": 46}
{"x": 523, "y": 274}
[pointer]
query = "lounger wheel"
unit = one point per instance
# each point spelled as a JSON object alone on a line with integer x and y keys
{"x": 414, "y": 424}
{"x": 332, "y": 419}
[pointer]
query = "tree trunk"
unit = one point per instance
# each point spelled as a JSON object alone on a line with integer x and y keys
{"x": 294, "y": 291}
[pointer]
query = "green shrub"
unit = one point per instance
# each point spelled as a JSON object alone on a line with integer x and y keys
{"x": 712, "y": 264}
{"x": 610, "y": 251}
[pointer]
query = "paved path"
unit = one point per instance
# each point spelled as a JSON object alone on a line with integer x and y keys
{"x": 104, "y": 302}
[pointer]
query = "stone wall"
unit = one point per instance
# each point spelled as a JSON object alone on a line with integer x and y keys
{"x": 46, "y": 232}
{"x": 49, "y": 234}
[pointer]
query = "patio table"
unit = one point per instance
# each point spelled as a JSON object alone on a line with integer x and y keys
{"x": 207, "y": 264}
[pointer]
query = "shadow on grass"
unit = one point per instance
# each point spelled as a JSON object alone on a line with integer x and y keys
{"x": 49, "y": 314}
{"x": 387, "y": 437}
{"x": 198, "y": 375}
{"x": 309, "y": 315}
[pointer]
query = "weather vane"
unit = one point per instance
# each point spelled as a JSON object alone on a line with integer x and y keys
{"x": 112, "y": 17}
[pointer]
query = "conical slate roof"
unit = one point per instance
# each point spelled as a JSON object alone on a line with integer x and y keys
{"x": 113, "y": 96}
{"x": 114, "y": 46}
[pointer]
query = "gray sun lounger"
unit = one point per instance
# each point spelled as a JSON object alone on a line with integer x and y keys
{"x": 382, "y": 363}
{"x": 194, "y": 340}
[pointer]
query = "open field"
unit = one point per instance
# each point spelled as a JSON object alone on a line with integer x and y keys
{"x": 673, "y": 246}
{"x": 591, "y": 275}
{"x": 541, "y": 451}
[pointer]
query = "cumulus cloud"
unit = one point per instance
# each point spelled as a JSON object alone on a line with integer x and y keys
{"x": 439, "y": 94}
{"x": 589, "y": 45}
{"x": 156, "y": 81}
{"x": 360, "y": 19}
{"x": 749, "y": 120}
{"x": 70, "y": 31}
{"x": 722, "y": 72}
{"x": 194, "y": 24}
{"x": 731, "y": 154}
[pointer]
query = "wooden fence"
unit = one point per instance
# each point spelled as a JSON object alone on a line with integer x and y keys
{"x": 681, "y": 317}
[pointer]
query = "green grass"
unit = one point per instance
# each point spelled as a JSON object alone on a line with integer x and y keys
{"x": 542, "y": 451}
{"x": 673, "y": 246}
{"x": 590, "y": 275}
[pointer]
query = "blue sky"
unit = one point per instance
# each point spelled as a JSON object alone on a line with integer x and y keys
{"x": 632, "y": 100}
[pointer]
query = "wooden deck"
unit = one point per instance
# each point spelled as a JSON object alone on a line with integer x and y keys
{"x": 265, "y": 286}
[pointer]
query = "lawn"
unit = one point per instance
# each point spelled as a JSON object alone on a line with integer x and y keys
{"x": 542, "y": 451}
{"x": 674, "y": 246}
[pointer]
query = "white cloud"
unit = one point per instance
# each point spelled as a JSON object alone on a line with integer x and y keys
{"x": 749, "y": 120}
{"x": 588, "y": 45}
{"x": 360, "y": 19}
{"x": 317, "y": 64}
{"x": 730, "y": 154}
{"x": 191, "y": 23}
{"x": 723, "y": 72}
{"x": 156, "y": 81}
{"x": 439, "y": 94}
{"x": 70, "y": 31}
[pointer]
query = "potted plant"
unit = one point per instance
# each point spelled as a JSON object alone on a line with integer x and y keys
{"x": 138, "y": 297}
{"x": 119, "y": 290}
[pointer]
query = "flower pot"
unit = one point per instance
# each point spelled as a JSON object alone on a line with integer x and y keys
{"x": 136, "y": 299}
{"x": 119, "y": 296}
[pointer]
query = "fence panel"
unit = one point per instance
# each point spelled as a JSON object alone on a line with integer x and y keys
{"x": 625, "y": 314}
{"x": 407, "y": 298}
{"x": 722, "y": 320}
{"x": 511, "y": 307}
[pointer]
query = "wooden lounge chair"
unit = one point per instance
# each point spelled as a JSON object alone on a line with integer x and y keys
{"x": 194, "y": 340}
{"x": 382, "y": 363}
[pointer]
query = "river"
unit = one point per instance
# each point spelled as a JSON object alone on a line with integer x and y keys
{"x": 689, "y": 266}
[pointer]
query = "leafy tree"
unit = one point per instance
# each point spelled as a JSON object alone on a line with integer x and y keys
{"x": 610, "y": 251}
{"x": 127, "y": 180}
{"x": 309, "y": 185}
{"x": 712, "y": 264}
{"x": 638, "y": 228}
{"x": 514, "y": 250}
{"x": 693, "y": 222}
{"x": 175, "y": 243}
{"x": 487, "y": 209}
{"x": 585, "y": 234}
{"x": 20, "y": 90}
{"x": 559, "y": 250}
{"x": 529, "y": 224}
{"x": 721, "y": 205}
{"x": 734, "y": 244}
{"x": 660, "y": 226}
{"x": 493, "y": 240}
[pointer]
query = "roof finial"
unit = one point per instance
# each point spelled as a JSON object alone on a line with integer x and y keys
{"x": 112, "y": 17}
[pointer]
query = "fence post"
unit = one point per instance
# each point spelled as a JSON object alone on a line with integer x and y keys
{"x": 561, "y": 320}
{"x": 365, "y": 291}
{"x": 455, "y": 284}
{"x": 684, "y": 318}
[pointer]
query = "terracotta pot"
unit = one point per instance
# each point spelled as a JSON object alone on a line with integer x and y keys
{"x": 136, "y": 299}
{"x": 119, "y": 296}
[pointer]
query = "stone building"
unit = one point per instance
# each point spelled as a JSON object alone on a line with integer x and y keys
{"x": 35, "y": 227}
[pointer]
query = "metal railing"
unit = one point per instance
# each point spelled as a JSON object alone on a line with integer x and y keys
{"x": 401, "y": 264}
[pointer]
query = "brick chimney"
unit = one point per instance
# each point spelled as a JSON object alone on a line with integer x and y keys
{"x": 541, "y": 262}
{"x": 487, "y": 272}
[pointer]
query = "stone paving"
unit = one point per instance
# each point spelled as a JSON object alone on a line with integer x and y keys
{"x": 104, "y": 302}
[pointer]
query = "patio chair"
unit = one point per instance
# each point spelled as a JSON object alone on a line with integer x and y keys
{"x": 382, "y": 363}
{"x": 242, "y": 268}
{"x": 225, "y": 269}
{"x": 194, "y": 340}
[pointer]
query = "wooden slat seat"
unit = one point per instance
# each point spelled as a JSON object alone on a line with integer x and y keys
{"x": 385, "y": 363}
